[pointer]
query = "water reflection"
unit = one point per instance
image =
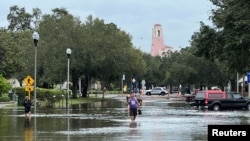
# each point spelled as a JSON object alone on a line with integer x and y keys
{"x": 133, "y": 125}
{"x": 101, "y": 105}
{"x": 28, "y": 130}
{"x": 68, "y": 127}
{"x": 35, "y": 130}
{"x": 27, "y": 123}
{"x": 132, "y": 132}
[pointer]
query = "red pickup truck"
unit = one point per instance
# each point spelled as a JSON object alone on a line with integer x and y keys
{"x": 217, "y": 100}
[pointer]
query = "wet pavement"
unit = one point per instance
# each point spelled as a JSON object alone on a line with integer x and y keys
{"x": 162, "y": 119}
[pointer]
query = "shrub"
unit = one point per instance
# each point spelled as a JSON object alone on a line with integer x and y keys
{"x": 4, "y": 98}
{"x": 4, "y": 85}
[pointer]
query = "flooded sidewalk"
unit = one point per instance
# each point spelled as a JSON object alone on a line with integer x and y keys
{"x": 4, "y": 104}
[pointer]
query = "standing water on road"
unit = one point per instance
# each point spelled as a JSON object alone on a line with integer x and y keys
{"x": 162, "y": 120}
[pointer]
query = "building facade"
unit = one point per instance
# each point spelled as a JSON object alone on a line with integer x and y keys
{"x": 158, "y": 48}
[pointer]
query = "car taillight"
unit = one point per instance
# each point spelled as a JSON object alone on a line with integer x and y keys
{"x": 205, "y": 101}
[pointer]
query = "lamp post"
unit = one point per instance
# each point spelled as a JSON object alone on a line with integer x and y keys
{"x": 54, "y": 101}
{"x": 133, "y": 84}
{"x": 62, "y": 100}
{"x": 68, "y": 51}
{"x": 123, "y": 78}
{"x": 35, "y": 37}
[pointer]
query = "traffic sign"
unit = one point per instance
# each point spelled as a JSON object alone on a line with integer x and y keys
{"x": 248, "y": 77}
{"x": 29, "y": 80}
{"x": 29, "y": 88}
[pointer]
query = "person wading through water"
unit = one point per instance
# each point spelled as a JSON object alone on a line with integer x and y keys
{"x": 139, "y": 99}
{"x": 133, "y": 104}
{"x": 27, "y": 107}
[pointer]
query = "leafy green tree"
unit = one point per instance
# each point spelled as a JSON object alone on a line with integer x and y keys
{"x": 226, "y": 43}
{"x": 19, "y": 19}
{"x": 97, "y": 49}
{"x": 207, "y": 43}
{"x": 4, "y": 85}
{"x": 153, "y": 75}
{"x": 37, "y": 14}
{"x": 10, "y": 53}
{"x": 232, "y": 18}
{"x": 57, "y": 34}
{"x": 109, "y": 52}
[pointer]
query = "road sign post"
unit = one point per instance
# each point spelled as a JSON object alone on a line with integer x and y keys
{"x": 29, "y": 81}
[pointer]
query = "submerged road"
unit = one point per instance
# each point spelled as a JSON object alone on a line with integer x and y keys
{"x": 162, "y": 119}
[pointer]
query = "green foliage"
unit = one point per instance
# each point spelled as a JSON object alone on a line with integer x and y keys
{"x": 10, "y": 52}
{"x": 4, "y": 98}
{"x": 226, "y": 44}
{"x": 98, "y": 49}
{"x": 105, "y": 52}
{"x": 19, "y": 19}
{"x": 46, "y": 95}
{"x": 4, "y": 85}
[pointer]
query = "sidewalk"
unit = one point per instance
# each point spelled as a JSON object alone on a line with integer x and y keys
{"x": 109, "y": 95}
{"x": 169, "y": 97}
{"x": 4, "y": 104}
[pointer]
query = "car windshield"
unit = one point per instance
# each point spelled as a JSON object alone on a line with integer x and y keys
{"x": 237, "y": 95}
{"x": 200, "y": 95}
{"x": 156, "y": 89}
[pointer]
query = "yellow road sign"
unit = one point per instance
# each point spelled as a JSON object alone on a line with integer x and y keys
{"x": 29, "y": 88}
{"x": 29, "y": 80}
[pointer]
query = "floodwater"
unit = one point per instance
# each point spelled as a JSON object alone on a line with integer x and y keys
{"x": 161, "y": 120}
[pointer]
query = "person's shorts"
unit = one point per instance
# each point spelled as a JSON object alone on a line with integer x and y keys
{"x": 133, "y": 112}
{"x": 27, "y": 110}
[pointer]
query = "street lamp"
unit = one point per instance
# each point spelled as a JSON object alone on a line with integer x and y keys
{"x": 35, "y": 37}
{"x": 68, "y": 51}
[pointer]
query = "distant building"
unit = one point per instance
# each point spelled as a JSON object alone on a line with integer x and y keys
{"x": 14, "y": 83}
{"x": 158, "y": 48}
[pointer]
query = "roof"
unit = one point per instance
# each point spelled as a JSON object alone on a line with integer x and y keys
{"x": 241, "y": 79}
{"x": 157, "y": 25}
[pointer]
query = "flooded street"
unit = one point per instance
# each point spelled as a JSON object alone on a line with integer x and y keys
{"x": 162, "y": 119}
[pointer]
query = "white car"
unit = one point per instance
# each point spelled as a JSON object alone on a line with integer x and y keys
{"x": 157, "y": 91}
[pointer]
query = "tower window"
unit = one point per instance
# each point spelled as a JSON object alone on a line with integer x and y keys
{"x": 159, "y": 33}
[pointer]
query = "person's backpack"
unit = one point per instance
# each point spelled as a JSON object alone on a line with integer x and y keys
{"x": 139, "y": 112}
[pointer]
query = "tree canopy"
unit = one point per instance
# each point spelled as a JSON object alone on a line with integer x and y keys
{"x": 104, "y": 52}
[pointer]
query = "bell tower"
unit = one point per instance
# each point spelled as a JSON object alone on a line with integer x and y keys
{"x": 157, "y": 40}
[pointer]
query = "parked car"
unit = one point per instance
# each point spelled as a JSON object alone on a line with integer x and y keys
{"x": 175, "y": 91}
{"x": 157, "y": 91}
{"x": 217, "y": 100}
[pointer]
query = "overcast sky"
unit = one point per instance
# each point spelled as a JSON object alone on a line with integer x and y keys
{"x": 179, "y": 18}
